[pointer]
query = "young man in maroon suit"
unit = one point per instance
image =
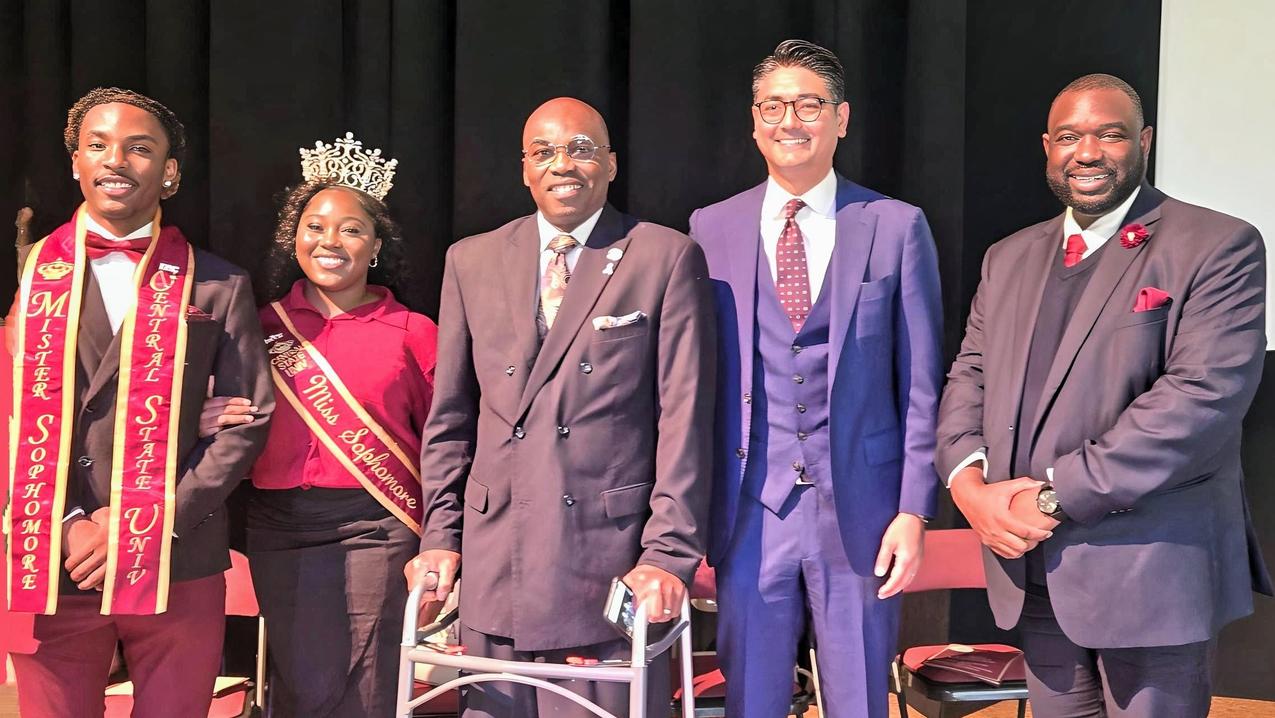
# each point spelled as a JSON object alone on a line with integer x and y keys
{"x": 117, "y": 517}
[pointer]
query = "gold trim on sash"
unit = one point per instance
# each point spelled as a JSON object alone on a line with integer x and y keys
{"x": 365, "y": 419}
{"x": 58, "y": 508}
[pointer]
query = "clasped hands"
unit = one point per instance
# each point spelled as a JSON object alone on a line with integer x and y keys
{"x": 659, "y": 591}
{"x": 84, "y": 545}
{"x": 1003, "y": 514}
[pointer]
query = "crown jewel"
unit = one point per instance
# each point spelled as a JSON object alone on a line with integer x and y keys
{"x": 346, "y": 163}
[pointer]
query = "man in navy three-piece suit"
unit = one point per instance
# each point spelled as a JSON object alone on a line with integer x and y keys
{"x": 829, "y": 324}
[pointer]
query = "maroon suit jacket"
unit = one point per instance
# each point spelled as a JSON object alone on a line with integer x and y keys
{"x": 1140, "y": 420}
{"x": 556, "y": 468}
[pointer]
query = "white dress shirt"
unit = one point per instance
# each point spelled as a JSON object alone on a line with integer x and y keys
{"x": 817, "y": 221}
{"x": 1096, "y": 235}
{"x": 114, "y": 273}
{"x": 548, "y": 232}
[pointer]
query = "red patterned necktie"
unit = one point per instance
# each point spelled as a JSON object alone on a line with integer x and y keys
{"x": 553, "y": 285}
{"x": 97, "y": 246}
{"x": 792, "y": 278}
{"x": 1075, "y": 251}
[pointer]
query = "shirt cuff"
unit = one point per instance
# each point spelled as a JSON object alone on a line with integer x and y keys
{"x": 974, "y": 458}
{"x": 74, "y": 513}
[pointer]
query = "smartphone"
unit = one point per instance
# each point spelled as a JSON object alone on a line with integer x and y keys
{"x": 621, "y": 609}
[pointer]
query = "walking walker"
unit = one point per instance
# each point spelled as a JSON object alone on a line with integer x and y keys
{"x": 476, "y": 669}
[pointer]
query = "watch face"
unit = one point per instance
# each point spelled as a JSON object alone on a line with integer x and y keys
{"x": 1047, "y": 502}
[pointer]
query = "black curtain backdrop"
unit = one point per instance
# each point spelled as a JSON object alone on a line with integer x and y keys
{"x": 948, "y": 102}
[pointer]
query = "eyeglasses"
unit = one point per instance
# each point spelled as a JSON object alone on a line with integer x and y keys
{"x": 580, "y": 149}
{"x": 807, "y": 109}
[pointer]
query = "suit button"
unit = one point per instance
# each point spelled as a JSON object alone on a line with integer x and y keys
{"x": 748, "y": 397}
{"x": 568, "y": 500}
{"x": 802, "y": 436}
{"x": 518, "y": 432}
{"x": 586, "y": 367}
{"x": 84, "y": 461}
{"x": 798, "y": 467}
{"x": 564, "y": 431}
{"x": 741, "y": 453}
{"x": 796, "y": 349}
{"x": 1011, "y": 427}
{"x": 799, "y": 378}
{"x": 801, "y": 408}
{"x": 509, "y": 370}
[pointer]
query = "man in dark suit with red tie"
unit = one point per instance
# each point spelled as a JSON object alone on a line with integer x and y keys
{"x": 569, "y": 439}
{"x": 122, "y": 327}
{"x": 1110, "y": 355}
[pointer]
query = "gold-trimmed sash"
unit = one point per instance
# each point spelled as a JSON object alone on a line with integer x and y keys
{"x": 312, "y": 387}
{"x": 144, "y": 458}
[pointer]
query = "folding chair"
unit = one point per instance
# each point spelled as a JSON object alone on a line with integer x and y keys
{"x": 953, "y": 559}
{"x": 233, "y": 696}
{"x": 477, "y": 669}
{"x": 709, "y": 684}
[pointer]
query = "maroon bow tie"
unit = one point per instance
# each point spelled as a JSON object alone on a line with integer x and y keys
{"x": 97, "y": 246}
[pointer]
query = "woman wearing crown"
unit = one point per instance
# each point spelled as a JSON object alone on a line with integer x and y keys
{"x": 337, "y": 506}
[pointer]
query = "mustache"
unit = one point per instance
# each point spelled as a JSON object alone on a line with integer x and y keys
{"x": 1106, "y": 166}
{"x": 122, "y": 175}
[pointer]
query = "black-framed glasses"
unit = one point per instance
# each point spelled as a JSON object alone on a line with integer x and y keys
{"x": 807, "y": 109}
{"x": 579, "y": 149}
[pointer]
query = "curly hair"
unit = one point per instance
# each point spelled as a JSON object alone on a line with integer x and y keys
{"x": 173, "y": 127}
{"x": 282, "y": 271}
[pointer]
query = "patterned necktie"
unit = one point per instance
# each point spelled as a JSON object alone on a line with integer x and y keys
{"x": 553, "y": 285}
{"x": 1075, "y": 251}
{"x": 792, "y": 279}
{"x": 96, "y": 246}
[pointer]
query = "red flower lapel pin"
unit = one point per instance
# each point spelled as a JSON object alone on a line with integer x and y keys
{"x": 1132, "y": 235}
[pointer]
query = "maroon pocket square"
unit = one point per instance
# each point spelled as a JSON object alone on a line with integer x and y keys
{"x": 196, "y": 314}
{"x": 1151, "y": 298}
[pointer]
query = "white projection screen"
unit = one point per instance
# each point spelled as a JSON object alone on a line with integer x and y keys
{"x": 1215, "y": 135}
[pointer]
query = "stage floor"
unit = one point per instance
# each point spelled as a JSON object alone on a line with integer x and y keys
{"x": 1222, "y": 708}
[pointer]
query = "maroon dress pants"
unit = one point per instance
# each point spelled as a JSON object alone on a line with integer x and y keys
{"x": 173, "y": 658}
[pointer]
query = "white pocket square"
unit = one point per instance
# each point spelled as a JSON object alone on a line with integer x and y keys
{"x": 604, "y": 323}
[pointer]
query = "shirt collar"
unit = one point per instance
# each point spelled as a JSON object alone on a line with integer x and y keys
{"x": 581, "y": 233}
{"x": 386, "y": 309}
{"x": 1102, "y": 228}
{"x": 94, "y": 227}
{"x": 820, "y": 199}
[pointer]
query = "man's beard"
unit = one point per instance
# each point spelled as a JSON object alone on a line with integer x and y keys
{"x": 1126, "y": 183}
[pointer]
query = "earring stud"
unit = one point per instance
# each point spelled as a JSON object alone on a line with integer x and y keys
{"x": 168, "y": 183}
{"x": 75, "y": 175}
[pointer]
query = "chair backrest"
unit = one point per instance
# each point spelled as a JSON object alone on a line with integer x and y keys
{"x": 241, "y": 599}
{"x": 953, "y": 559}
{"x": 704, "y": 585}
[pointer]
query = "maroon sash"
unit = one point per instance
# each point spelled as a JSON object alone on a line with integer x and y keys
{"x": 144, "y": 461}
{"x": 308, "y": 382}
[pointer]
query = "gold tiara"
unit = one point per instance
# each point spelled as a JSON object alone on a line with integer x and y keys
{"x": 346, "y": 163}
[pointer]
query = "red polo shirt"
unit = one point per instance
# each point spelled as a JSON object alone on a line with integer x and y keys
{"x": 385, "y": 354}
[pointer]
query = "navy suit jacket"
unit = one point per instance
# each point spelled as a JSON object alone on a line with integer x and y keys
{"x": 884, "y": 360}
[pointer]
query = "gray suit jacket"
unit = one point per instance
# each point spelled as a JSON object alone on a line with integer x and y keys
{"x": 226, "y": 345}
{"x": 1143, "y": 432}
{"x": 555, "y": 469}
